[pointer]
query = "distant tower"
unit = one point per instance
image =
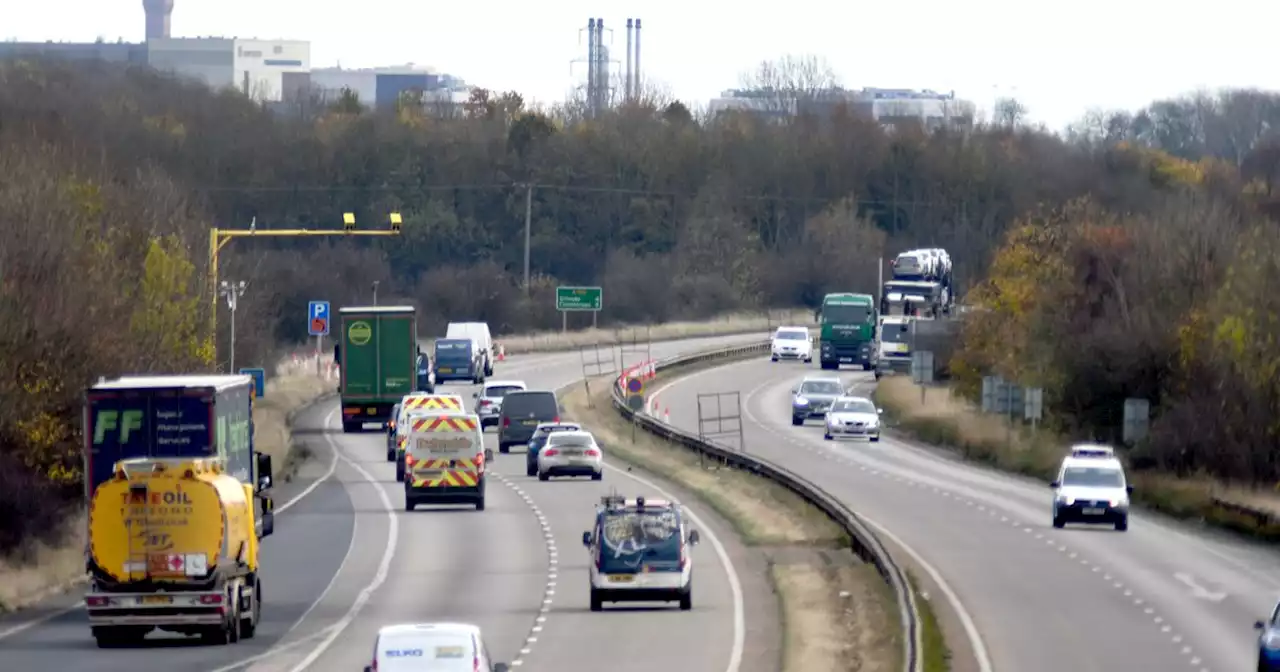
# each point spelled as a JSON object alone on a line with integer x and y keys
{"x": 158, "y": 12}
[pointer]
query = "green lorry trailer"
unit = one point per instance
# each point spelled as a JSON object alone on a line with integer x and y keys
{"x": 848, "y": 331}
{"x": 377, "y": 358}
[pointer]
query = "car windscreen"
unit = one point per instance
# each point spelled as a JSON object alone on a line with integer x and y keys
{"x": 821, "y": 387}
{"x": 1093, "y": 477}
{"x": 540, "y": 404}
{"x": 846, "y": 313}
{"x": 859, "y": 406}
{"x": 791, "y": 335}
{"x": 632, "y": 538}
{"x": 426, "y": 652}
{"x": 453, "y": 350}
{"x": 500, "y": 391}
{"x": 894, "y": 333}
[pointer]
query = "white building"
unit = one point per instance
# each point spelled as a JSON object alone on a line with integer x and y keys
{"x": 262, "y": 69}
{"x": 884, "y": 105}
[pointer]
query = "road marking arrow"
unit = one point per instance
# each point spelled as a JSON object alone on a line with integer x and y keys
{"x": 1197, "y": 590}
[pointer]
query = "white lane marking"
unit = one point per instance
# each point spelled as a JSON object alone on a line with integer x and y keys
{"x": 549, "y": 592}
{"x": 1198, "y": 590}
{"x": 735, "y": 586}
{"x": 379, "y": 577}
{"x": 980, "y": 654}
{"x": 333, "y": 467}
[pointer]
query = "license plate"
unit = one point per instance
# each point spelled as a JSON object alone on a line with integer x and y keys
{"x": 1093, "y": 511}
{"x": 621, "y": 578}
{"x": 371, "y": 411}
{"x": 573, "y": 453}
{"x": 846, "y": 359}
{"x": 155, "y": 599}
{"x": 531, "y": 423}
{"x": 446, "y": 370}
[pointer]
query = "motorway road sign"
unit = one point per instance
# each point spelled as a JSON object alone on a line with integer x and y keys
{"x": 579, "y": 298}
{"x": 259, "y": 381}
{"x": 318, "y": 318}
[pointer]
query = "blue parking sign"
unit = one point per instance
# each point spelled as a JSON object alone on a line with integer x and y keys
{"x": 318, "y": 318}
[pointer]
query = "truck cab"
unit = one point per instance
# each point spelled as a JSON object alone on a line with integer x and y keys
{"x": 848, "y": 331}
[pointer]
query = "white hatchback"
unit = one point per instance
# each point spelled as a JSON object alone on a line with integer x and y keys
{"x": 791, "y": 343}
{"x": 443, "y": 647}
{"x": 570, "y": 454}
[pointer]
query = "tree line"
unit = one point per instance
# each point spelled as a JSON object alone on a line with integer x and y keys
{"x": 111, "y": 177}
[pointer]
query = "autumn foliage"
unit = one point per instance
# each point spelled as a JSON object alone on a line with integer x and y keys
{"x": 110, "y": 178}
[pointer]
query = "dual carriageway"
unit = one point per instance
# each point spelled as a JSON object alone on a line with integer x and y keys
{"x": 1014, "y": 592}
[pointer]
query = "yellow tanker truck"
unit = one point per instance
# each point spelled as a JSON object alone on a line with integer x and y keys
{"x": 173, "y": 545}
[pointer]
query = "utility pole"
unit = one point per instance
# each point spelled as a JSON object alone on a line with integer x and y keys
{"x": 375, "y": 292}
{"x": 528, "y": 228}
{"x": 232, "y": 291}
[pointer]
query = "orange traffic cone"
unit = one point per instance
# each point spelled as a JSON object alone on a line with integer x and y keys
{"x": 666, "y": 416}
{"x": 502, "y": 353}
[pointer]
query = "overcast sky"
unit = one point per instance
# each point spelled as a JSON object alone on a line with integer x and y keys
{"x": 1059, "y": 58}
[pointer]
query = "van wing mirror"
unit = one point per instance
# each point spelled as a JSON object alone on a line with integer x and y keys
{"x": 264, "y": 472}
{"x": 586, "y": 539}
{"x": 488, "y": 454}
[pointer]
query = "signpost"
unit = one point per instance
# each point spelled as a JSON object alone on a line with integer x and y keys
{"x": 259, "y": 381}
{"x": 635, "y": 401}
{"x": 922, "y": 370}
{"x": 318, "y": 326}
{"x": 579, "y": 300}
{"x": 1137, "y": 419}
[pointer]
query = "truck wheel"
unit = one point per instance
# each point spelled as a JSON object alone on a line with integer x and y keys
{"x": 480, "y": 503}
{"x": 233, "y": 626}
{"x": 114, "y": 637}
{"x": 391, "y": 455}
{"x": 409, "y": 503}
{"x": 488, "y": 368}
{"x": 249, "y": 624}
{"x": 597, "y": 603}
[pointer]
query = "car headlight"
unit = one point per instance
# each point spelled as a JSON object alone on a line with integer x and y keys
{"x": 801, "y": 401}
{"x": 1271, "y": 639}
{"x": 1062, "y": 499}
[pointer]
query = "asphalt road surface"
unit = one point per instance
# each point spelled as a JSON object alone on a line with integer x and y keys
{"x": 346, "y": 559}
{"x": 1162, "y": 596}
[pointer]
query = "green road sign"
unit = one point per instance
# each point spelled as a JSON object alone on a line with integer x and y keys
{"x": 579, "y": 298}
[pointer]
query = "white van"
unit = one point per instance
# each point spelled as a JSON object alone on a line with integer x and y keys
{"x": 478, "y": 332}
{"x": 432, "y": 646}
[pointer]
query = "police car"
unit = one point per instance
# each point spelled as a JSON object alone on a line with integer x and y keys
{"x": 639, "y": 552}
{"x": 1091, "y": 488}
{"x": 442, "y": 647}
{"x": 1269, "y": 642}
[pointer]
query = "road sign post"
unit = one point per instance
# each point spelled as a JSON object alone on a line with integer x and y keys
{"x": 579, "y": 300}
{"x": 318, "y": 326}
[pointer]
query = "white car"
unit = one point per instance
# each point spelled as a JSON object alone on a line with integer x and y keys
{"x": 570, "y": 454}
{"x": 792, "y": 343}
{"x": 489, "y": 399}
{"x": 1091, "y": 488}
{"x": 853, "y": 416}
{"x": 446, "y": 647}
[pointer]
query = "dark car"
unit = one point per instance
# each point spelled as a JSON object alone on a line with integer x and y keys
{"x": 813, "y": 398}
{"x": 391, "y": 433}
{"x": 539, "y": 440}
{"x": 522, "y": 412}
{"x": 457, "y": 359}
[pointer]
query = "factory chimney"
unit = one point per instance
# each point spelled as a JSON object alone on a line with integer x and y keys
{"x": 602, "y": 68}
{"x": 627, "y": 84}
{"x": 591, "y": 67}
{"x": 635, "y": 83}
{"x": 157, "y": 12}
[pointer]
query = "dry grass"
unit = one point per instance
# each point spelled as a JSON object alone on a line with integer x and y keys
{"x": 737, "y": 323}
{"x": 954, "y": 423}
{"x": 835, "y": 616}
{"x": 835, "y": 619}
{"x": 44, "y": 570}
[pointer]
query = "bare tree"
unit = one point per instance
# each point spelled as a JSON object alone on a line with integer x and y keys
{"x": 791, "y": 82}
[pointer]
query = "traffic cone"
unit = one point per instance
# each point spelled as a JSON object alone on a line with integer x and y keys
{"x": 666, "y": 416}
{"x": 502, "y": 353}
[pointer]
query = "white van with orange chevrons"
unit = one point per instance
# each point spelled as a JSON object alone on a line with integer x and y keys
{"x": 445, "y": 460}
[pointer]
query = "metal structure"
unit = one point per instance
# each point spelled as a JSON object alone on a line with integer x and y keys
{"x": 597, "y": 361}
{"x": 218, "y": 239}
{"x": 157, "y": 13}
{"x": 1137, "y": 419}
{"x": 599, "y": 85}
{"x": 232, "y": 291}
{"x": 635, "y": 351}
{"x": 720, "y": 417}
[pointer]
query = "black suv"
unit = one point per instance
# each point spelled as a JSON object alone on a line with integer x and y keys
{"x": 522, "y": 412}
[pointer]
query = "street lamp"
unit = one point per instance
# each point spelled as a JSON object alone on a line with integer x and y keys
{"x": 232, "y": 291}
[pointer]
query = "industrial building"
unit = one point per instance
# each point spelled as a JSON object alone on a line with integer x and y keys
{"x": 888, "y": 106}
{"x": 383, "y": 87}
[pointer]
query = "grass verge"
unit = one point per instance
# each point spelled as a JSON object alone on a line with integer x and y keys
{"x": 950, "y": 422}
{"x": 43, "y": 570}
{"x": 835, "y": 616}
{"x": 937, "y": 655}
{"x": 723, "y": 325}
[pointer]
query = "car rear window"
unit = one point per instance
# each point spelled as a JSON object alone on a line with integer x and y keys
{"x": 580, "y": 440}
{"x": 499, "y": 391}
{"x": 542, "y": 404}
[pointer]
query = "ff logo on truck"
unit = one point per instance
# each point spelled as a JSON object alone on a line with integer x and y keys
{"x": 126, "y": 422}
